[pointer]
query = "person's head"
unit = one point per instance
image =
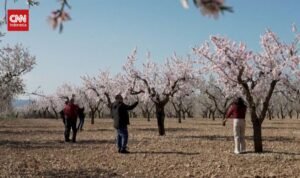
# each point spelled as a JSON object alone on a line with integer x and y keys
{"x": 119, "y": 98}
{"x": 239, "y": 101}
{"x": 67, "y": 102}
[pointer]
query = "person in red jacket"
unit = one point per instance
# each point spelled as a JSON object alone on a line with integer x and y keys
{"x": 237, "y": 112}
{"x": 71, "y": 112}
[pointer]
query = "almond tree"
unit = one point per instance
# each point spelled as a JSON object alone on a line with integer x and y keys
{"x": 29, "y": 110}
{"x": 178, "y": 106}
{"x": 93, "y": 102}
{"x": 281, "y": 105}
{"x": 297, "y": 105}
{"x": 103, "y": 88}
{"x": 52, "y": 104}
{"x": 287, "y": 100}
{"x": 252, "y": 75}
{"x": 206, "y": 107}
{"x": 15, "y": 62}
{"x": 189, "y": 105}
{"x": 146, "y": 108}
{"x": 295, "y": 98}
{"x": 159, "y": 82}
{"x": 83, "y": 98}
{"x": 181, "y": 101}
{"x": 214, "y": 91}
{"x": 38, "y": 107}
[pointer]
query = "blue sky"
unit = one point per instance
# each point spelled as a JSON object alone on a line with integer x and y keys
{"x": 103, "y": 32}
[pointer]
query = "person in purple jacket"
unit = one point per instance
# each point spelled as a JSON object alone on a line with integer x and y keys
{"x": 237, "y": 112}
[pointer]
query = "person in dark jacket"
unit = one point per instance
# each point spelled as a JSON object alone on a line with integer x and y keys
{"x": 120, "y": 115}
{"x": 81, "y": 116}
{"x": 62, "y": 114}
{"x": 71, "y": 112}
{"x": 237, "y": 112}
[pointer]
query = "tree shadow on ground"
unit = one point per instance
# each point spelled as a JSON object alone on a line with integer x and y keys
{"x": 283, "y": 153}
{"x": 90, "y": 172}
{"x": 167, "y": 129}
{"x": 165, "y": 152}
{"x": 217, "y": 123}
{"x": 44, "y": 131}
{"x": 92, "y": 142}
{"x": 284, "y": 123}
{"x": 274, "y": 152}
{"x": 55, "y": 144}
{"x": 31, "y": 144}
{"x": 230, "y": 138}
{"x": 28, "y": 126}
{"x": 83, "y": 143}
{"x": 208, "y": 137}
{"x": 279, "y": 139}
{"x": 97, "y": 130}
{"x": 31, "y": 132}
{"x": 279, "y": 128}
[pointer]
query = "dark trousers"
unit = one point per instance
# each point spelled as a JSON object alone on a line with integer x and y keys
{"x": 70, "y": 123}
{"x": 81, "y": 122}
{"x": 122, "y": 138}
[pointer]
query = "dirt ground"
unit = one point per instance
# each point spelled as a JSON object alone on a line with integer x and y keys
{"x": 195, "y": 148}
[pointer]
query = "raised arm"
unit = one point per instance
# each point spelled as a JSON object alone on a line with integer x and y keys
{"x": 130, "y": 107}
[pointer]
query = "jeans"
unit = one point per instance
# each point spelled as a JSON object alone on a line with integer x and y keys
{"x": 70, "y": 124}
{"x": 239, "y": 135}
{"x": 122, "y": 138}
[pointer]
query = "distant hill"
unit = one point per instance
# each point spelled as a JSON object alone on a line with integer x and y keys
{"x": 20, "y": 102}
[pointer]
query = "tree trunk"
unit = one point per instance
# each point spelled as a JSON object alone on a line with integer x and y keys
{"x": 179, "y": 117}
{"x": 148, "y": 116}
{"x": 56, "y": 114}
{"x": 99, "y": 113}
{"x": 161, "y": 125}
{"x": 93, "y": 119}
{"x": 257, "y": 137}
{"x": 92, "y": 114}
{"x": 278, "y": 115}
{"x": 190, "y": 114}
{"x": 223, "y": 115}
{"x": 160, "y": 115}
{"x": 213, "y": 115}
{"x": 144, "y": 114}
{"x": 45, "y": 113}
{"x": 281, "y": 113}
{"x": 291, "y": 114}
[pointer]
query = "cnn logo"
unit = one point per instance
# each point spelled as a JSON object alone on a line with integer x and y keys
{"x": 18, "y": 20}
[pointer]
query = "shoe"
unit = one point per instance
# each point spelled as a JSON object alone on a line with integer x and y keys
{"x": 236, "y": 152}
{"x": 74, "y": 141}
{"x": 124, "y": 151}
{"x": 67, "y": 140}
